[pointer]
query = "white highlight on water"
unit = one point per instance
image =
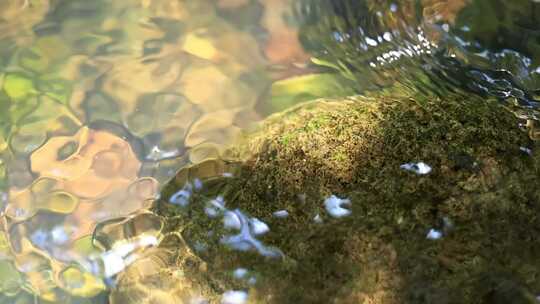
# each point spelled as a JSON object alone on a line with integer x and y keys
{"x": 419, "y": 168}
{"x": 112, "y": 262}
{"x": 240, "y": 273}
{"x": 525, "y": 150}
{"x": 234, "y": 297}
{"x": 182, "y": 196}
{"x": 215, "y": 207}
{"x": 281, "y": 214}
{"x": 335, "y": 206}
{"x": 434, "y": 234}
{"x": 245, "y": 239}
{"x": 258, "y": 227}
{"x": 231, "y": 221}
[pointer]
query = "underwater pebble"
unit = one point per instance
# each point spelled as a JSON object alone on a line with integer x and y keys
{"x": 281, "y": 214}
{"x": 334, "y": 206}
{"x": 317, "y": 219}
{"x": 234, "y": 297}
{"x": 434, "y": 234}
{"x": 420, "y": 168}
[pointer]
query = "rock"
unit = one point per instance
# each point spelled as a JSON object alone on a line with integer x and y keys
{"x": 353, "y": 148}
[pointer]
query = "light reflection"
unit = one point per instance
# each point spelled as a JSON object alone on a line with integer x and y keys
{"x": 419, "y": 168}
{"x": 281, "y": 214}
{"x": 526, "y": 150}
{"x": 258, "y": 227}
{"x": 234, "y": 297}
{"x": 434, "y": 234}
{"x": 245, "y": 239}
{"x": 248, "y": 227}
{"x": 215, "y": 207}
{"x": 115, "y": 260}
{"x": 335, "y": 206}
{"x": 182, "y": 196}
{"x": 240, "y": 273}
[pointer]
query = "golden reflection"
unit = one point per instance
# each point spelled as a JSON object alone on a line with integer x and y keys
{"x": 182, "y": 77}
{"x": 101, "y": 164}
{"x": 89, "y": 177}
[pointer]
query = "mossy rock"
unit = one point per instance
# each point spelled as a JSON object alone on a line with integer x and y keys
{"x": 481, "y": 194}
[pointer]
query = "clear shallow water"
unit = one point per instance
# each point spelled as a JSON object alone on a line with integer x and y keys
{"x": 103, "y": 102}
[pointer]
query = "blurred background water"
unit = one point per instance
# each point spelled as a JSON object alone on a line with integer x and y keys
{"x": 102, "y": 102}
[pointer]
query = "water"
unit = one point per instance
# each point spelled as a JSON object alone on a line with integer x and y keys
{"x": 104, "y": 102}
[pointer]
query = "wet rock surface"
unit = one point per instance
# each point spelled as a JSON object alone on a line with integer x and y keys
{"x": 479, "y": 199}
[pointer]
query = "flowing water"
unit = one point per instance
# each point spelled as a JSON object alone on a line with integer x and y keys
{"x": 103, "y": 102}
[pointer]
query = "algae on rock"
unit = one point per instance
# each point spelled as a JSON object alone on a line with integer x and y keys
{"x": 481, "y": 195}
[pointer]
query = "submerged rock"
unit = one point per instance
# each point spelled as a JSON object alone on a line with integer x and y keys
{"x": 353, "y": 150}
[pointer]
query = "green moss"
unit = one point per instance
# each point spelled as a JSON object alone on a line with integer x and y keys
{"x": 353, "y": 148}
{"x": 287, "y": 138}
